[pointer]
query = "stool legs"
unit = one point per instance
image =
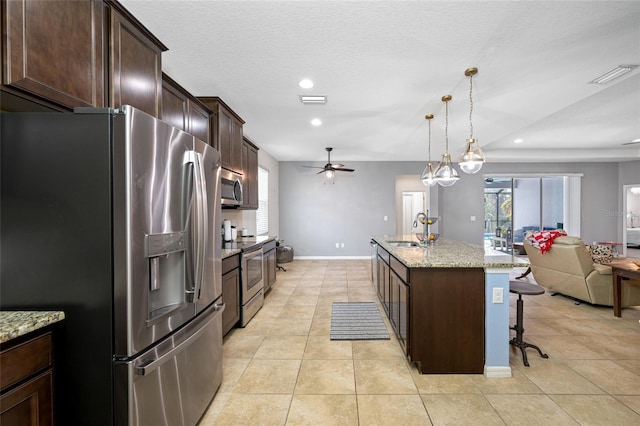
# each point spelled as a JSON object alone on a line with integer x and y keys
{"x": 519, "y": 328}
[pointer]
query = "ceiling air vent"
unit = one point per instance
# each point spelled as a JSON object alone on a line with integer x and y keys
{"x": 618, "y": 71}
{"x": 313, "y": 99}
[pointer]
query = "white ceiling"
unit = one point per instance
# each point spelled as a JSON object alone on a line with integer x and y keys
{"x": 385, "y": 64}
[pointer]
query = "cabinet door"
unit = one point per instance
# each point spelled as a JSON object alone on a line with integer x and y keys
{"x": 250, "y": 176}
{"x": 394, "y": 301}
{"x": 224, "y": 137}
{"x": 236, "y": 145}
{"x": 231, "y": 299}
{"x": 199, "y": 122}
{"x": 175, "y": 105}
{"x": 403, "y": 315}
{"x": 55, "y": 50}
{"x": 135, "y": 67}
{"x": 269, "y": 269}
{"x": 30, "y": 403}
{"x": 383, "y": 271}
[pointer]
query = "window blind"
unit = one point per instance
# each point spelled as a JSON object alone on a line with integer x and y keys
{"x": 262, "y": 214}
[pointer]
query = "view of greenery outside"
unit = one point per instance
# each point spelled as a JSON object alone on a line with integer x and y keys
{"x": 497, "y": 211}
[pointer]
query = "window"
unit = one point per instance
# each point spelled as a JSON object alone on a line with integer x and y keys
{"x": 262, "y": 214}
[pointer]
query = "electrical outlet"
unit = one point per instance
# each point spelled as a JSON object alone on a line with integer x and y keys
{"x": 337, "y": 245}
{"x": 386, "y": 218}
{"x": 498, "y": 295}
{"x": 341, "y": 245}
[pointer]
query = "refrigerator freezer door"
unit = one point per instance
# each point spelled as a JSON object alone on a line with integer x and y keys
{"x": 173, "y": 382}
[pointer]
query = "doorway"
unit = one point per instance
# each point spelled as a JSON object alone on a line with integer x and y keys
{"x": 413, "y": 202}
{"x": 631, "y": 219}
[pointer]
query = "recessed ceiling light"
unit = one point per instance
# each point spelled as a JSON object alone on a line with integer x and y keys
{"x": 518, "y": 140}
{"x": 313, "y": 99}
{"x": 306, "y": 83}
{"x": 316, "y": 122}
{"x": 616, "y": 72}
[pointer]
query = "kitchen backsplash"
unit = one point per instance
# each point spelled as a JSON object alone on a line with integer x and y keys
{"x": 241, "y": 219}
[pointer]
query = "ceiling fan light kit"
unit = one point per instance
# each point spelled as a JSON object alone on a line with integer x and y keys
{"x": 330, "y": 169}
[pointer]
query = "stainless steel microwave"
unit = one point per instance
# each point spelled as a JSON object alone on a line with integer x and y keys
{"x": 230, "y": 188}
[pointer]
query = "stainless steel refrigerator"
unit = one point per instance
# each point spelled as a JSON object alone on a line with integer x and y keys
{"x": 113, "y": 217}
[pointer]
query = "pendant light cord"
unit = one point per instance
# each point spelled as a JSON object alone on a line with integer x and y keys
{"x": 471, "y": 103}
{"x": 429, "y": 140}
{"x": 446, "y": 128}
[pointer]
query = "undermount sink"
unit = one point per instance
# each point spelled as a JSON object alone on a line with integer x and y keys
{"x": 403, "y": 244}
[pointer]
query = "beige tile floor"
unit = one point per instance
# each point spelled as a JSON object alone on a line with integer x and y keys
{"x": 282, "y": 369}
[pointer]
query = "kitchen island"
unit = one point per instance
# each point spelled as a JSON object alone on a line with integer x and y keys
{"x": 448, "y": 303}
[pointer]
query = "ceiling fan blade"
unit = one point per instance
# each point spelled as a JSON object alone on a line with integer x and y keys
{"x": 321, "y": 172}
{"x": 340, "y": 169}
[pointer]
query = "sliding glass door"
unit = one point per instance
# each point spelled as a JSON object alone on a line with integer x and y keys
{"x": 515, "y": 205}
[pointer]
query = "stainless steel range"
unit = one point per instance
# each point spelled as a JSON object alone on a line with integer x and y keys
{"x": 252, "y": 294}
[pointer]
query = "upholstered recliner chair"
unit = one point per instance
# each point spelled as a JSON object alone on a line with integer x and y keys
{"x": 567, "y": 268}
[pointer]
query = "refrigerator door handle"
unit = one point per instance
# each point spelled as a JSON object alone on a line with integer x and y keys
{"x": 154, "y": 364}
{"x": 203, "y": 225}
{"x": 187, "y": 217}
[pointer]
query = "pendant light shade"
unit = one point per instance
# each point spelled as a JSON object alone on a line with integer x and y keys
{"x": 445, "y": 174}
{"x": 473, "y": 158}
{"x": 428, "y": 175}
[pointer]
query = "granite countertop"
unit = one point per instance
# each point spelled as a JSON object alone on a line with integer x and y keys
{"x": 446, "y": 254}
{"x": 17, "y": 323}
{"x": 230, "y": 248}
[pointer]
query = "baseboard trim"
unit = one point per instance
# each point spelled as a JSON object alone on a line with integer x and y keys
{"x": 497, "y": 372}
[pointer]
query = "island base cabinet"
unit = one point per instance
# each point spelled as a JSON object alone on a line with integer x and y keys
{"x": 447, "y": 308}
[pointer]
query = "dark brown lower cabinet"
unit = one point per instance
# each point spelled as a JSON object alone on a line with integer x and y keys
{"x": 27, "y": 382}
{"x": 437, "y": 314}
{"x": 446, "y": 331}
{"x": 269, "y": 273}
{"x": 230, "y": 292}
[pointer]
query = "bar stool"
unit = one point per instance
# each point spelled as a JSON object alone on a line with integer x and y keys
{"x": 520, "y": 288}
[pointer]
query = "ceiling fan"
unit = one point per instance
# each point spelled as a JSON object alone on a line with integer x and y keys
{"x": 330, "y": 169}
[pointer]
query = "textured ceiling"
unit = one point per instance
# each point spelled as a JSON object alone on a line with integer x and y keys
{"x": 385, "y": 64}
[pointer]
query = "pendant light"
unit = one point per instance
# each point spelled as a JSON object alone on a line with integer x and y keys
{"x": 445, "y": 174}
{"x": 428, "y": 178}
{"x": 473, "y": 158}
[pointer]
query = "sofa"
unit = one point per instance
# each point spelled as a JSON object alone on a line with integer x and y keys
{"x": 568, "y": 269}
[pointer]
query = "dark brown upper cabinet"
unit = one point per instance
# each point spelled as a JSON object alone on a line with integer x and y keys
{"x": 183, "y": 110}
{"x": 53, "y": 52}
{"x": 226, "y": 133}
{"x": 135, "y": 64}
{"x": 250, "y": 175}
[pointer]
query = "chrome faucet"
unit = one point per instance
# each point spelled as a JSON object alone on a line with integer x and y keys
{"x": 422, "y": 218}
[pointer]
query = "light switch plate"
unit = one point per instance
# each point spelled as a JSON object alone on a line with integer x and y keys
{"x": 498, "y": 295}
